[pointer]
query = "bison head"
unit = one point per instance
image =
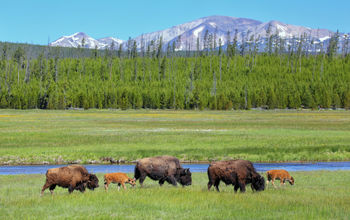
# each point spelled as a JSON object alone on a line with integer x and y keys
{"x": 258, "y": 183}
{"x": 291, "y": 181}
{"x": 132, "y": 181}
{"x": 184, "y": 176}
{"x": 92, "y": 183}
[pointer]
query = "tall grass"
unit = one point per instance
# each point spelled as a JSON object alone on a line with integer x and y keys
{"x": 38, "y": 136}
{"x": 315, "y": 195}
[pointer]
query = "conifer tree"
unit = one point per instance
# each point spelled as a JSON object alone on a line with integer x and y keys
{"x": 347, "y": 99}
{"x": 206, "y": 42}
{"x": 268, "y": 48}
{"x": 95, "y": 52}
{"x": 228, "y": 44}
{"x": 120, "y": 50}
{"x": 160, "y": 47}
{"x": 333, "y": 45}
{"x": 4, "y": 51}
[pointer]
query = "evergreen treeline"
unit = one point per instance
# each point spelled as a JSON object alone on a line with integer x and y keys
{"x": 32, "y": 51}
{"x": 235, "y": 77}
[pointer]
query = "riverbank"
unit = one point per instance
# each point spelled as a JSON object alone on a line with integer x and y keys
{"x": 315, "y": 195}
{"x": 97, "y": 163}
{"x": 109, "y": 136}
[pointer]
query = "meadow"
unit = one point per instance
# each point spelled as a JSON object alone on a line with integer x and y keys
{"x": 315, "y": 195}
{"x": 89, "y": 136}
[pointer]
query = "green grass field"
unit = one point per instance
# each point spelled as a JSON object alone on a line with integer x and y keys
{"x": 315, "y": 195}
{"x": 38, "y": 136}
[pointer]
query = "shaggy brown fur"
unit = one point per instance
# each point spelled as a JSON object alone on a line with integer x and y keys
{"x": 235, "y": 172}
{"x": 162, "y": 168}
{"x": 281, "y": 175}
{"x": 120, "y": 178}
{"x": 71, "y": 177}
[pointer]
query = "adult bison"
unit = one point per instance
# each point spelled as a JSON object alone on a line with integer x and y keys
{"x": 73, "y": 177}
{"x": 162, "y": 168}
{"x": 235, "y": 172}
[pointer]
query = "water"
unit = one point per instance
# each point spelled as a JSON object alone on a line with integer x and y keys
{"x": 195, "y": 168}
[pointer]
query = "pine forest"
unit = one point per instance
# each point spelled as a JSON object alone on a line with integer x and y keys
{"x": 240, "y": 75}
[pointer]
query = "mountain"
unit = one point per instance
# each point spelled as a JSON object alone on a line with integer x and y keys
{"x": 221, "y": 25}
{"x": 107, "y": 41}
{"x": 191, "y": 31}
{"x": 75, "y": 40}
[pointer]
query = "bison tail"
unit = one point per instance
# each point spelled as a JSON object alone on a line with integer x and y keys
{"x": 137, "y": 173}
{"x": 47, "y": 173}
{"x": 209, "y": 175}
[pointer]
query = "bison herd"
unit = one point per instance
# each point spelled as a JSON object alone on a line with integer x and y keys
{"x": 165, "y": 169}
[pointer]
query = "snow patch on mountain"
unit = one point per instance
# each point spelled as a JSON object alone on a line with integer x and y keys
{"x": 324, "y": 38}
{"x": 76, "y": 40}
{"x": 197, "y": 31}
{"x": 212, "y": 24}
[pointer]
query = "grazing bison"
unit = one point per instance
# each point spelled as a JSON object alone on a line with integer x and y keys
{"x": 235, "y": 172}
{"x": 162, "y": 168}
{"x": 281, "y": 175}
{"x": 73, "y": 177}
{"x": 120, "y": 178}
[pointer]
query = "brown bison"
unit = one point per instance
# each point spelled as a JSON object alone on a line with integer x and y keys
{"x": 162, "y": 168}
{"x": 73, "y": 177}
{"x": 281, "y": 175}
{"x": 235, "y": 172}
{"x": 120, "y": 178}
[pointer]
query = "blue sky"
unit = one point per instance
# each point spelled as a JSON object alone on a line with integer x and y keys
{"x": 36, "y": 21}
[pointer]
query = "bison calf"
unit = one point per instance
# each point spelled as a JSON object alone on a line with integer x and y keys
{"x": 235, "y": 172}
{"x": 73, "y": 177}
{"x": 120, "y": 178}
{"x": 281, "y": 175}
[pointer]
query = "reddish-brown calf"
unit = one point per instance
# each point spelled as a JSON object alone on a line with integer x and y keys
{"x": 281, "y": 175}
{"x": 120, "y": 178}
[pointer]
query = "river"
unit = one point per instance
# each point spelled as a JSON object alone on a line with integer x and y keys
{"x": 195, "y": 168}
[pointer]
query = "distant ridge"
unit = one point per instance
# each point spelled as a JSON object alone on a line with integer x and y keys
{"x": 191, "y": 31}
{"x": 75, "y": 40}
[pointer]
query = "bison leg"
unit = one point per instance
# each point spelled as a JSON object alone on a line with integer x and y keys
{"x": 119, "y": 186}
{"x": 171, "y": 180}
{"x": 216, "y": 184}
{"x": 283, "y": 182}
{"x": 46, "y": 185}
{"x": 236, "y": 188}
{"x": 273, "y": 183}
{"x": 161, "y": 182}
{"x": 70, "y": 189}
{"x": 80, "y": 187}
{"x": 124, "y": 187}
{"x": 242, "y": 187}
{"x": 211, "y": 182}
{"x": 52, "y": 187}
{"x": 209, "y": 185}
{"x": 106, "y": 185}
{"x": 142, "y": 178}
